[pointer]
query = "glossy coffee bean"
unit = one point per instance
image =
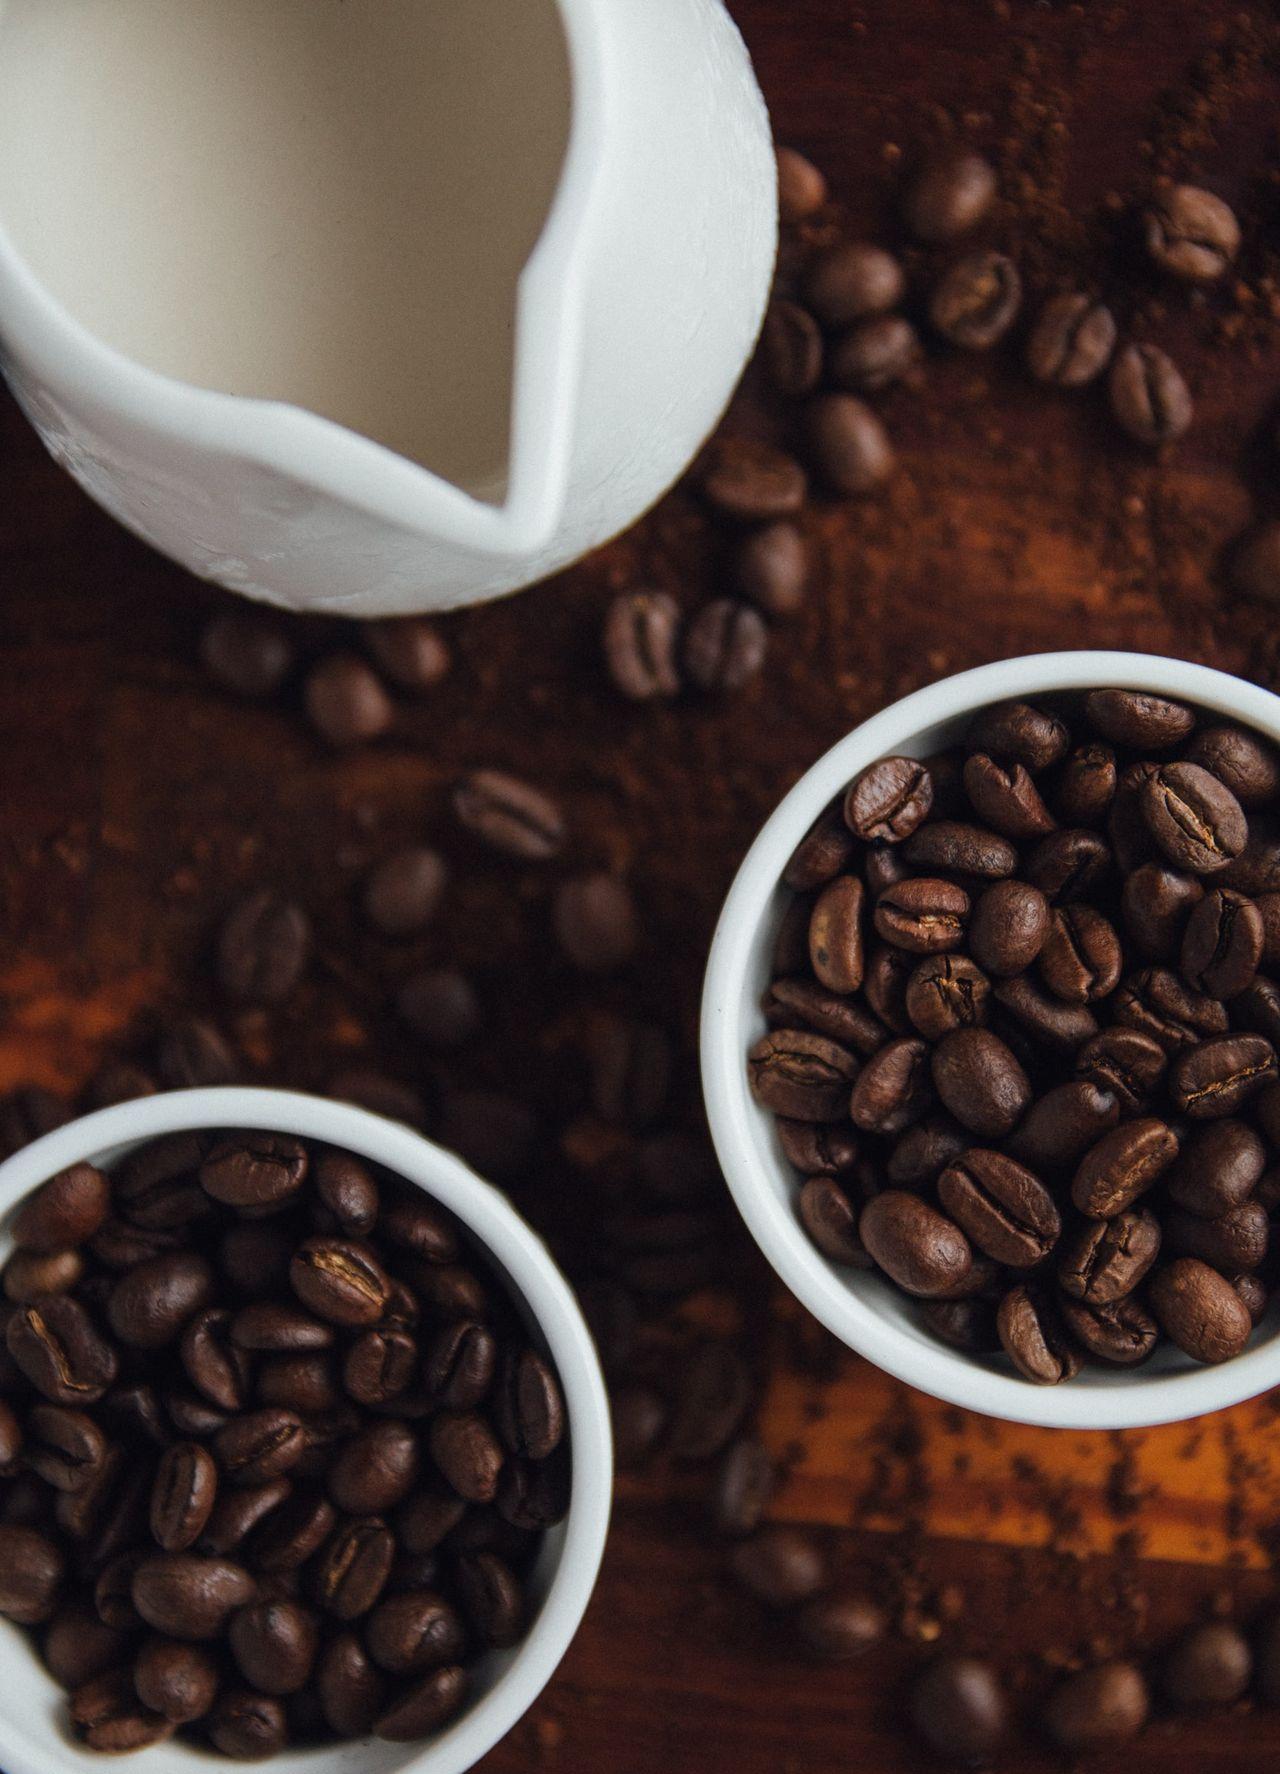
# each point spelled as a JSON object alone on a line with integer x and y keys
{"x": 802, "y": 1075}
{"x": 1236, "y": 1240}
{"x": 339, "y": 1281}
{"x": 1072, "y": 340}
{"x": 980, "y": 1082}
{"x": 59, "y": 1349}
{"x": 892, "y": 1090}
{"x": 1222, "y": 943}
{"x": 852, "y": 280}
{"x": 185, "y": 1596}
{"x": 424, "y": 1707}
{"x": 263, "y": 948}
{"x": 259, "y": 1445}
{"x": 1007, "y": 1213}
{"x": 947, "y": 992}
{"x": 1102, "y": 1261}
{"x": 1120, "y": 1335}
{"x": 949, "y": 195}
{"x": 375, "y": 1469}
{"x": 1161, "y": 1005}
{"x": 256, "y": 1172}
{"x": 352, "y": 1569}
{"x": 183, "y": 1496}
{"x": 1123, "y": 1165}
{"x": 712, "y": 1398}
{"x": 821, "y": 854}
{"x": 1248, "y": 764}
{"x": 847, "y": 444}
{"x": 1061, "y": 1125}
{"x": 1097, "y": 1708}
{"x": 108, "y": 1716}
{"x": 1190, "y": 233}
{"x": 889, "y": 800}
{"x": 640, "y": 645}
{"x": 802, "y": 1003}
{"x": 274, "y": 1644}
{"x": 790, "y": 349}
{"x": 248, "y": 1726}
{"x": 176, "y": 1680}
{"x": 835, "y": 935}
{"x": 1218, "y": 1077}
{"x": 78, "y": 1646}
{"x": 352, "y": 1691}
{"x": 875, "y": 354}
{"x": 1220, "y": 1166}
{"x": 920, "y": 1249}
{"x": 1195, "y": 819}
{"x": 150, "y": 1305}
{"x": 31, "y": 1573}
{"x": 725, "y": 645}
{"x": 64, "y": 1212}
{"x": 831, "y": 1220}
{"x": 413, "y": 1631}
{"x": 1081, "y": 957}
{"x": 779, "y": 1566}
{"x": 1148, "y": 395}
{"x": 467, "y": 1454}
{"x": 959, "y": 1709}
{"x": 1199, "y": 1310}
{"x": 1008, "y": 927}
{"x": 1033, "y": 1337}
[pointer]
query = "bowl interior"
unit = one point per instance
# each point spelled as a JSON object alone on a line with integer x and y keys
{"x": 861, "y": 1308}
{"x": 37, "y": 1727}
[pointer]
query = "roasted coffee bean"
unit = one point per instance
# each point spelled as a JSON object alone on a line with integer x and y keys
{"x": 1222, "y": 943}
{"x": 831, "y": 1220}
{"x": 1019, "y": 733}
{"x": 1245, "y": 762}
{"x": 779, "y": 1566}
{"x": 882, "y": 867}
{"x": 255, "y": 1172}
{"x": 743, "y": 1488}
{"x": 247, "y": 652}
{"x": 263, "y": 948}
{"x": 1236, "y": 1240}
{"x": 1160, "y": 1005}
{"x": 802, "y": 189}
{"x": 980, "y": 1082}
{"x": 149, "y": 1305}
{"x": 305, "y": 1383}
{"x": 492, "y": 1599}
{"x": 965, "y": 1324}
{"x": 510, "y": 816}
{"x": 347, "y": 1189}
{"x": 1006, "y": 1211}
{"x": 274, "y": 1644}
{"x": 1008, "y": 927}
{"x": 178, "y": 1681}
{"x": 424, "y": 1707}
{"x": 1256, "y": 871}
{"x": 352, "y": 1570}
{"x": 1124, "y": 1063}
{"x": 31, "y": 1571}
{"x": 375, "y": 1469}
{"x": 413, "y": 1631}
{"x": 403, "y": 892}
{"x": 1195, "y": 819}
{"x": 947, "y": 992}
{"x": 792, "y": 1002}
{"x": 835, "y": 935}
{"x": 1086, "y": 786}
{"x": 1156, "y": 903}
{"x": 238, "y": 1511}
{"x": 1097, "y": 1708}
{"x": 753, "y": 482}
{"x": 790, "y": 349}
{"x": 1071, "y": 341}
{"x": 1219, "y": 1168}
{"x": 1102, "y": 1261}
{"x": 712, "y": 1399}
{"x": 1253, "y": 1292}
{"x": 1199, "y": 1310}
{"x": 64, "y": 1212}
{"x": 1190, "y": 233}
{"x": 1218, "y": 1077}
{"x": 842, "y": 1626}
{"x": 260, "y": 1445}
{"x": 847, "y": 443}
{"x": 922, "y": 915}
{"x": 182, "y": 1496}
{"x": 78, "y": 1646}
{"x": 1034, "y": 1339}
{"x": 1148, "y": 395}
{"x": 725, "y": 645}
{"x": 851, "y": 280}
{"x": 1121, "y": 1335}
{"x": 339, "y": 1281}
{"x": 876, "y": 354}
{"x": 889, "y": 800}
{"x": 1123, "y": 1165}
{"x": 1061, "y": 1125}
{"x": 346, "y": 702}
{"x": 640, "y": 634}
{"x": 59, "y": 1349}
{"x": 408, "y": 650}
{"x": 824, "y": 851}
{"x": 467, "y": 1454}
{"x": 801, "y": 1075}
{"x": 380, "y": 1365}
{"x": 925, "y": 1150}
{"x": 288, "y": 1534}
{"x": 595, "y": 922}
{"x": 966, "y": 849}
{"x": 213, "y": 1364}
{"x": 1069, "y": 865}
{"x": 279, "y": 1328}
{"x": 949, "y": 196}
{"x": 31, "y": 1275}
{"x": 1209, "y": 1666}
{"x": 916, "y": 1246}
{"x": 248, "y": 1726}
{"x": 528, "y": 1406}
{"x": 351, "y": 1689}
{"x": 1081, "y": 957}
{"x": 892, "y": 1090}
{"x": 1058, "y": 1025}
{"x": 977, "y": 300}
{"x": 1258, "y": 1007}
{"x": 188, "y": 1597}
{"x": 630, "y": 1072}
{"x": 772, "y": 567}
{"x": 958, "y": 1707}
{"x": 885, "y": 984}
{"x": 1006, "y": 798}
{"x": 109, "y": 1717}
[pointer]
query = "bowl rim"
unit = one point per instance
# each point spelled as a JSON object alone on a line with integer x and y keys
{"x": 517, "y": 1249}
{"x": 931, "y": 1366}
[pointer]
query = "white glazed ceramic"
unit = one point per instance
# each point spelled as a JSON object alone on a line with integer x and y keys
{"x": 636, "y": 312}
{"x": 862, "y": 1309}
{"x": 32, "y": 1740}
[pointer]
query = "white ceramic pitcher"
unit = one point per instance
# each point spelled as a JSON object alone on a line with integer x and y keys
{"x": 210, "y": 207}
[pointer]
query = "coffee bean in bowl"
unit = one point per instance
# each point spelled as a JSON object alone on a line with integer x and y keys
{"x": 1001, "y": 1121}
{"x": 310, "y": 1433}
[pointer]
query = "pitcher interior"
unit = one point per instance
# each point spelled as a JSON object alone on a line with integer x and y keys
{"x": 324, "y": 202}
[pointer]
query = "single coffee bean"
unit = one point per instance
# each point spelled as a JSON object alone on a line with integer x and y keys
{"x": 351, "y": 1690}
{"x": 30, "y": 1275}
{"x": 306, "y": 1384}
{"x": 892, "y": 1090}
{"x": 1253, "y": 1292}
{"x": 248, "y": 1726}
{"x": 381, "y": 1365}
{"x": 792, "y": 1002}
{"x": 182, "y": 1496}
{"x": 841, "y": 1626}
{"x": 409, "y": 650}
{"x": 977, "y": 300}
{"x": 108, "y": 1716}
{"x": 280, "y": 1328}
{"x": 753, "y": 482}
{"x": 263, "y": 949}
{"x": 966, "y": 849}
{"x": 1008, "y": 927}
{"x": 1244, "y": 761}
{"x": 967, "y": 1324}
{"x": 1148, "y": 395}
{"x": 65, "y": 1447}
{"x": 631, "y": 1071}
{"x": 255, "y": 1172}
{"x": 885, "y": 984}
{"x": 595, "y": 922}
{"x": 831, "y": 1220}
{"x": 1138, "y": 719}
{"x": 640, "y": 632}
{"x": 1071, "y": 341}
{"x": 1220, "y": 1166}
{"x": 947, "y": 992}
{"x": 1018, "y": 733}
{"x": 467, "y": 1454}
{"x": 78, "y": 1646}
{"x": 802, "y": 189}
{"x": 31, "y": 1572}
{"x": 178, "y": 1681}
{"x": 113, "y": 1592}
{"x": 1209, "y": 1666}
{"x": 1156, "y": 903}
{"x": 772, "y": 568}
{"x": 346, "y": 702}
{"x": 925, "y": 1150}
{"x": 424, "y": 1707}
{"x": 402, "y": 894}
{"x": 1218, "y": 1077}
{"x": 1123, "y": 1062}
{"x": 949, "y": 196}
{"x": 1069, "y": 866}
{"x": 260, "y": 1445}
{"x": 882, "y": 867}
{"x": 64, "y": 1212}
{"x": 1033, "y": 1337}
{"x": 1061, "y": 1125}
{"x": 980, "y": 1081}
{"x": 1123, "y": 1165}
{"x": 414, "y": 1631}
{"x": 510, "y": 815}
{"x": 274, "y": 1644}
{"x": 1086, "y": 786}
{"x": 1222, "y": 943}
{"x": 1097, "y": 1708}
{"x": 790, "y": 349}
{"x": 801, "y": 1075}
{"x": 348, "y": 1191}
{"x": 1005, "y": 797}
{"x": 779, "y": 1566}
{"x": 289, "y": 1534}
{"x": 1234, "y": 1241}
{"x": 188, "y": 1597}
{"x": 743, "y": 1488}
{"x": 1160, "y": 1005}
{"x": 922, "y": 915}
{"x": 1122, "y": 1334}
{"x": 835, "y": 935}
{"x": 1049, "y": 1020}
{"x": 1256, "y": 871}
{"x": 1199, "y": 1310}
{"x": 237, "y": 1512}
{"x": 713, "y": 1396}
{"x": 876, "y": 354}
{"x": 1190, "y": 233}
{"x": 352, "y": 1570}
{"x": 889, "y": 800}
{"x": 958, "y": 1707}
{"x": 1102, "y": 1261}
{"x": 375, "y": 1469}
{"x": 1006, "y": 1212}
{"x": 725, "y": 645}
{"x": 339, "y": 1281}
{"x": 529, "y": 1408}
{"x": 59, "y": 1349}
{"x": 823, "y": 853}
{"x": 1195, "y": 819}
{"x": 916, "y": 1246}
{"x": 149, "y": 1305}
{"x": 848, "y": 445}
{"x": 246, "y": 652}
{"x": 851, "y": 280}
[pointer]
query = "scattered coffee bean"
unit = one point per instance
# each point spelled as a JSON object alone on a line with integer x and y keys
{"x": 753, "y": 482}
{"x": 841, "y": 1626}
{"x": 977, "y": 301}
{"x": 1097, "y": 1708}
{"x": 346, "y": 702}
{"x": 949, "y": 196}
{"x": 1071, "y": 341}
{"x": 408, "y": 650}
{"x": 1148, "y": 395}
{"x": 876, "y": 354}
{"x": 1190, "y": 233}
{"x": 958, "y": 1707}
{"x": 510, "y": 815}
{"x": 402, "y": 894}
{"x": 441, "y": 1007}
{"x": 791, "y": 349}
{"x": 802, "y": 189}
{"x": 771, "y": 569}
{"x": 263, "y": 949}
{"x": 246, "y": 652}
{"x": 780, "y": 1567}
{"x": 849, "y": 446}
{"x": 852, "y": 280}
{"x": 640, "y": 632}
{"x": 725, "y": 645}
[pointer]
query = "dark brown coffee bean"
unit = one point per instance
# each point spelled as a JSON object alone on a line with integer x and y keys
{"x": 402, "y": 894}
{"x": 1200, "y": 1310}
{"x": 1124, "y": 1063}
{"x": 1006, "y": 1212}
{"x": 30, "y": 1275}
{"x": 108, "y": 1716}
{"x": 1195, "y": 819}
{"x": 835, "y": 935}
{"x": 1218, "y": 1077}
{"x": 876, "y": 354}
{"x": 958, "y": 1707}
{"x": 375, "y": 1469}
{"x": 831, "y": 1220}
{"x": 248, "y": 1726}
{"x": 1258, "y": 1007}
{"x": 1222, "y": 943}
{"x": 347, "y": 1189}
{"x": 1097, "y": 1708}
{"x": 885, "y": 984}
{"x": 947, "y": 992}
{"x": 842, "y": 1626}
{"x": 1220, "y": 1166}
{"x": 790, "y": 349}
{"x": 113, "y": 1592}
{"x": 712, "y": 1399}
{"x": 492, "y": 1599}
{"x": 260, "y": 1445}
{"x": 967, "y": 1324}
{"x": 467, "y": 1454}
{"x": 1156, "y": 903}
{"x": 31, "y": 1571}
{"x": 64, "y": 1212}
{"x": 925, "y": 1150}
{"x": 1081, "y": 957}
{"x": 263, "y": 948}
{"x": 771, "y": 569}
{"x": 191, "y": 1415}
{"x": 289, "y": 1534}
{"x": 274, "y": 1644}
{"x": 529, "y": 1407}
{"x": 279, "y": 1328}
{"x": 1248, "y": 764}
{"x": 351, "y": 1690}
{"x": 892, "y": 1090}
{"x": 889, "y": 800}
{"x": 414, "y": 1224}
{"x": 966, "y": 849}
{"x": 1190, "y": 233}
{"x": 1209, "y": 1666}
{"x": 78, "y": 1646}
{"x": 1018, "y": 733}
{"x": 1072, "y": 340}
{"x": 595, "y": 922}
{"x": 409, "y": 651}
{"x": 848, "y": 445}
{"x": 1237, "y": 1240}
{"x": 922, "y": 915}
{"x": 510, "y": 815}
{"x": 380, "y": 1365}
{"x": 424, "y": 1707}
{"x": 1148, "y": 395}
{"x": 255, "y": 1172}
{"x": 306, "y": 1383}
{"x": 1122, "y": 1334}
{"x": 57, "y": 1346}
{"x": 1005, "y": 797}
{"x": 187, "y": 1597}
{"x": 352, "y": 1570}
{"x": 640, "y": 632}
{"x": 851, "y": 280}
{"x": 1064, "y": 1027}
{"x": 1034, "y": 1338}
{"x": 247, "y": 652}
{"x": 753, "y": 482}
{"x": 1008, "y": 927}
{"x": 238, "y": 1511}
{"x": 1069, "y": 866}
{"x": 178, "y": 1681}
{"x": 779, "y": 1566}
{"x": 1160, "y": 1005}
{"x": 339, "y": 1281}
{"x": 743, "y": 1488}
{"x": 1253, "y": 1292}
{"x": 883, "y": 866}
{"x": 916, "y": 1246}
{"x": 725, "y": 645}
{"x": 980, "y": 1081}
{"x": 182, "y": 1496}
{"x": 1086, "y": 786}
{"x": 949, "y": 196}
{"x": 1123, "y": 1165}
{"x": 414, "y": 1631}
{"x": 801, "y": 1075}
{"x": 822, "y": 854}
{"x": 977, "y": 300}
{"x": 792, "y": 1003}
{"x": 346, "y": 702}
{"x": 150, "y": 1304}
{"x": 1102, "y": 1261}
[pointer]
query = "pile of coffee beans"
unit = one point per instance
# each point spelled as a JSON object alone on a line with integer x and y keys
{"x": 1022, "y": 1034}
{"x": 276, "y": 1454}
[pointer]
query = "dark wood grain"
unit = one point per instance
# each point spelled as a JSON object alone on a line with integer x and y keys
{"x": 134, "y": 801}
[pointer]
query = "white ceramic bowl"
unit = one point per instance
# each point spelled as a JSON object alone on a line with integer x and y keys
{"x": 859, "y": 1308}
{"x": 32, "y": 1706}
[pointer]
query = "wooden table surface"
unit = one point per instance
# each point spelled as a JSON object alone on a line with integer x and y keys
{"x": 135, "y": 800}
